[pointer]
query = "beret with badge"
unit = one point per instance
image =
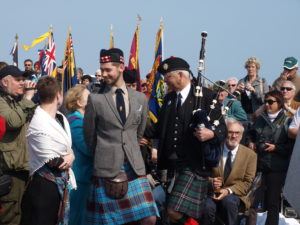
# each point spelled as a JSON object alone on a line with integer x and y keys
{"x": 172, "y": 64}
{"x": 111, "y": 55}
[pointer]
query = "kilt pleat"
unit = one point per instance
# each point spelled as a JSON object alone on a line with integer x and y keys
{"x": 137, "y": 204}
{"x": 188, "y": 194}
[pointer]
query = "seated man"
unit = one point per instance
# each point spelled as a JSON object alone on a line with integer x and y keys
{"x": 232, "y": 180}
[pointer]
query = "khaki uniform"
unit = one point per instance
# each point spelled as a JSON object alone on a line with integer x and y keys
{"x": 13, "y": 154}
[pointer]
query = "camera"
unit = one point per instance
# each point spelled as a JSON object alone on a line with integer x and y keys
{"x": 261, "y": 146}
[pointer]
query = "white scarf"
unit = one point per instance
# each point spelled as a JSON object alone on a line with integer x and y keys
{"x": 46, "y": 140}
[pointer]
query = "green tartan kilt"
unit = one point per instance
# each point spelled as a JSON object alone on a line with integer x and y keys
{"x": 188, "y": 194}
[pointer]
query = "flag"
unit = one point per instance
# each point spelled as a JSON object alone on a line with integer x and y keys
{"x": 111, "y": 37}
{"x": 41, "y": 53}
{"x": 134, "y": 56}
{"x": 49, "y": 60}
{"x": 69, "y": 67}
{"x": 37, "y": 40}
{"x": 155, "y": 88}
{"x": 14, "y": 52}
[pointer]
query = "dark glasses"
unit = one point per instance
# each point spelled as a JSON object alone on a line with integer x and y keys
{"x": 270, "y": 102}
{"x": 286, "y": 88}
{"x": 27, "y": 64}
{"x": 231, "y": 85}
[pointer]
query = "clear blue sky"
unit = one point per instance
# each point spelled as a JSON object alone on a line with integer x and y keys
{"x": 237, "y": 29}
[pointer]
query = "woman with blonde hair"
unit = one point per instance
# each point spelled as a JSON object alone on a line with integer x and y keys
{"x": 252, "y": 87}
{"x": 75, "y": 101}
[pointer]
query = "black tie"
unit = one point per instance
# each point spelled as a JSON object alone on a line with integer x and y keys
{"x": 178, "y": 102}
{"x": 228, "y": 167}
{"x": 121, "y": 104}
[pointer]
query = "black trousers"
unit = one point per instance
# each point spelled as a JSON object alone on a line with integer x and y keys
{"x": 274, "y": 182}
{"x": 40, "y": 203}
{"x": 227, "y": 208}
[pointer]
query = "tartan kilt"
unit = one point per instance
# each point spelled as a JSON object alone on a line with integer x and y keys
{"x": 188, "y": 194}
{"x": 137, "y": 204}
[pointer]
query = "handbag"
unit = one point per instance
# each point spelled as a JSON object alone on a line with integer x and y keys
{"x": 116, "y": 187}
{"x": 5, "y": 183}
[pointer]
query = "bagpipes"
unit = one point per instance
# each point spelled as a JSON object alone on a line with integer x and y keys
{"x": 202, "y": 119}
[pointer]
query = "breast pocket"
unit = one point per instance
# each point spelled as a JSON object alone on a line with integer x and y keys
{"x": 136, "y": 118}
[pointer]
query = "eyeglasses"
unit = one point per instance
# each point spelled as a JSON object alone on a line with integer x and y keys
{"x": 234, "y": 132}
{"x": 27, "y": 64}
{"x": 270, "y": 102}
{"x": 231, "y": 85}
{"x": 97, "y": 75}
{"x": 286, "y": 88}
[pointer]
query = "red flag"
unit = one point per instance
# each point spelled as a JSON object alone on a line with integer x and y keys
{"x": 134, "y": 56}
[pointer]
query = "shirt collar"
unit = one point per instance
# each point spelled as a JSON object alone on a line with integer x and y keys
{"x": 123, "y": 87}
{"x": 233, "y": 151}
{"x": 184, "y": 92}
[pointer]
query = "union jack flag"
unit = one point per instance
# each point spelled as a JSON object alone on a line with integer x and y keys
{"x": 49, "y": 62}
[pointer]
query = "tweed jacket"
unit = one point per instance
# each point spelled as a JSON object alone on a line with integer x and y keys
{"x": 106, "y": 136}
{"x": 242, "y": 174}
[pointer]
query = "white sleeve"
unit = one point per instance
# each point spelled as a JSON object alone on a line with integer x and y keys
{"x": 296, "y": 120}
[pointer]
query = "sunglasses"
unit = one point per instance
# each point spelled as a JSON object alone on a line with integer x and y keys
{"x": 231, "y": 85}
{"x": 97, "y": 75}
{"x": 286, "y": 88}
{"x": 27, "y": 64}
{"x": 270, "y": 102}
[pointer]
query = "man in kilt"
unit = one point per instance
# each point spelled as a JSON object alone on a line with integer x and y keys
{"x": 179, "y": 148}
{"x": 115, "y": 119}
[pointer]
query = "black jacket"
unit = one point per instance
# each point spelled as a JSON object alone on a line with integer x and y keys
{"x": 193, "y": 155}
{"x": 275, "y": 133}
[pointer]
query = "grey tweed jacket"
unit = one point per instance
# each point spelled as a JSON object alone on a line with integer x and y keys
{"x": 108, "y": 139}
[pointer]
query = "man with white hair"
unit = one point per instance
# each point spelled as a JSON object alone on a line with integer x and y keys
{"x": 179, "y": 148}
{"x": 232, "y": 84}
{"x": 96, "y": 86}
{"x": 16, "y": 107}
{"x": 231, "y": 181}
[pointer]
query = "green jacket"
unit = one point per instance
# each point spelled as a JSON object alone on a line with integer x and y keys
{"x": 13, "y": 150}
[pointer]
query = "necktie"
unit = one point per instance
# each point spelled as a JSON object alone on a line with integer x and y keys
{"x": 228, "y": 166}
{"x": 120, "y": 104}
{"x": 178, "y": 102}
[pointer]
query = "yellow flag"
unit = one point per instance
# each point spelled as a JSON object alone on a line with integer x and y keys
{"x": 36, "y": 41}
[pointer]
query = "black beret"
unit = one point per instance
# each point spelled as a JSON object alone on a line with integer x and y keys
{"x": 172, "y": 64}
{"x": 111, "y": 55}
{"x": 11, "y": 70}
{"x": 130, "y": 76}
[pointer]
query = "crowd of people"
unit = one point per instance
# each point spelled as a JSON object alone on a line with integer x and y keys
{"x": 94, "y": 156}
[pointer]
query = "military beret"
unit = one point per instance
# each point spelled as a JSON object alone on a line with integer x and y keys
{"x": 130, "y": 76}
{"x": 172, "y": 64}
{"x": 111, "y": 55}
{"x": 11, "y": 70}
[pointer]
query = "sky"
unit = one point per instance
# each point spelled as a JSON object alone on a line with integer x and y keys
{"x": 237, "y": 30}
